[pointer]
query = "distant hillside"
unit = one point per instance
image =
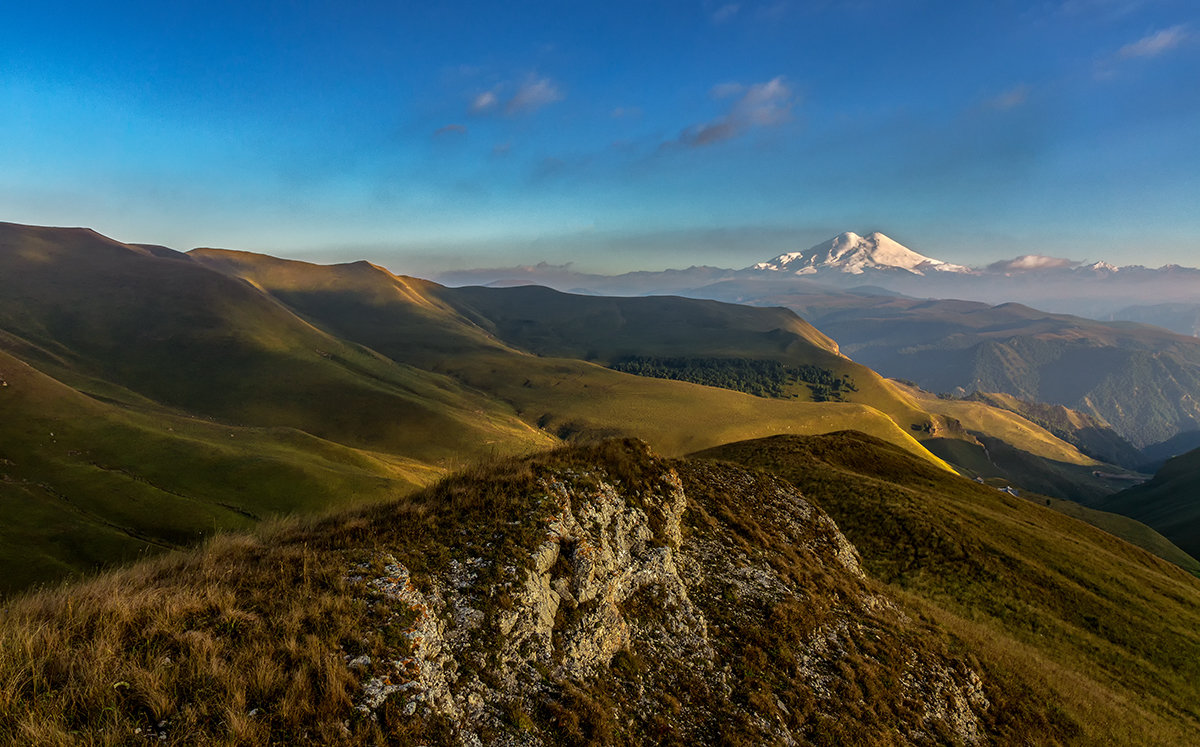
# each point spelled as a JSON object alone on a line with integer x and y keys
{"x": 1142, "y": 381}
{"x": 1170, "y": 502}
{"x": 1091, "y": 436}
{"x": 699, "y": 341}
{"x": 543, "y": 352}
{"x": 153, "y": 398}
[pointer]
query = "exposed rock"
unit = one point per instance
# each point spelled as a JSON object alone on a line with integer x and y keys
{"x": 683, "y": 602}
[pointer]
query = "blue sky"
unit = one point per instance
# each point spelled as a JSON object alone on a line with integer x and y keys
{"x": 618, "y": 135}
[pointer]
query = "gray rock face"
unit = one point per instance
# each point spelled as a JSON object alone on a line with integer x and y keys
{"x": 650, "y": 611}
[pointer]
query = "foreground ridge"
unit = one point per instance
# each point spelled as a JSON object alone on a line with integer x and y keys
{"x": 592, "y": 594}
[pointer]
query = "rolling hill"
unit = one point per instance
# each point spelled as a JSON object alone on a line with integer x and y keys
{"x": 184, "y": 398}
{"x": 602, "y": 594}
{"x": 358, "y": 384}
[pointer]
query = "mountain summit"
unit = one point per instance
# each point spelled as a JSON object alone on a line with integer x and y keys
{"x": 854, "y": 254}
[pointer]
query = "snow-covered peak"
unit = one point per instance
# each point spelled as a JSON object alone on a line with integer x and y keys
{"x": 854, "y": 254}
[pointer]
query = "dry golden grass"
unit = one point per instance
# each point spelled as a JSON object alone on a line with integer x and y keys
{"x": 183, "y": 646}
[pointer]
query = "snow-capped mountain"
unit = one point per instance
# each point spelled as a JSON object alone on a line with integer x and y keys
{"x": 854, "y": 254}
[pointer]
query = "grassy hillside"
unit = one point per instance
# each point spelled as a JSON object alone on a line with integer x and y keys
{"x": 1170, "y": 502}
{"x": 413, "y": 377}
{"x": 177, "y": 333}
{"x": 688, "y": 602}
{"x": 1102, "y": 630}
{"x": 149, "y": 400}
{"x": 1139, "y": 379}
{"x": 606, "y": 330}
{"x": 1130, "y": 530}
{"x": 524, "y": 347}
{"x": 1091, "y": 436}
{"x": 1005, "y": 445}
{"x": 87, "y": 483}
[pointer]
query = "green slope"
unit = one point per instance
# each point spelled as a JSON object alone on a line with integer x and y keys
{"x": 1100, "y": 628}
{"x": 175, "y": 332}
{"x": 1169, "y": 502}
{"x": 86, "y": 483}
{"x": 1091, "y": 436}
{"x": 523, "y": 346}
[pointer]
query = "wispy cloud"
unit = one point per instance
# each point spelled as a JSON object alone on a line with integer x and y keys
{"x": 451, "y": 129}
{"x": 532, "y": 95}
{"x": 626, "y": 112}
{"x": 1009, "y": 99}
{"x": 484, "y": 102}
{"x": 758, "y": 105}
{"x": 1032, "y": 263}
{"x": 1154, "y": 44}
{"x": 524, "y": 98}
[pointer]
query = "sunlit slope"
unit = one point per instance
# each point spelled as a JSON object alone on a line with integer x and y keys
{"x": 1004, "y": 445}
{"x": 575, "y": 399}
{"x": 452, "y": 331}
{"x": 1104, "y": 630}
{"x": 86, "y": 483}
{"x": 1170, "y": 502}
{"x": 605, "y": 329}
{"x": 159, "y": 324}
{"x": 1091, "y": 435}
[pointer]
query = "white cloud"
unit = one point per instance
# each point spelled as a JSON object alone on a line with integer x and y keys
{"x": 484, "y": 102}
{"x": 451, "y": 129}
{"x": 1154, "y": 44}
{"x": 759, "y": 105}
{"x": 532, "y": 95}
{"x": 512, "y": 99}
{"x": 1032, "y": 262}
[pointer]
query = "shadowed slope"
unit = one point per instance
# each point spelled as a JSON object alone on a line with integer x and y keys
{"x": 1139, "y": 379}
{"x": 1170, "y": 502}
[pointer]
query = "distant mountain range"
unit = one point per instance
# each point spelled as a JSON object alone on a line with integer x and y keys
{"x": 873, "y": 296}
{"x": 1166, "y": 296}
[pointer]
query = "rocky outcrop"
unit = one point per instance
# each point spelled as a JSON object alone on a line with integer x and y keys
{"x": 653, "y": 601}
